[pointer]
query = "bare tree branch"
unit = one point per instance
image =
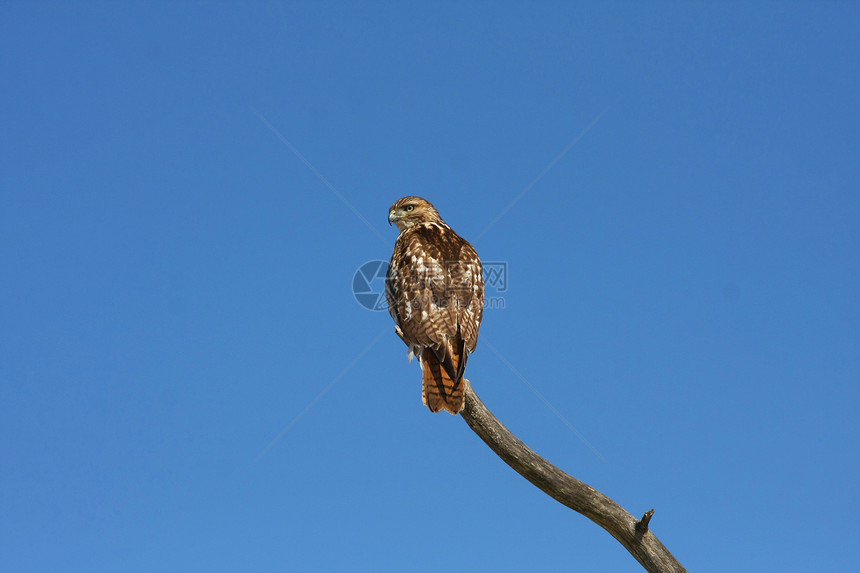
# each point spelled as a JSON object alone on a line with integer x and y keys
{"x": 632, "y": 533}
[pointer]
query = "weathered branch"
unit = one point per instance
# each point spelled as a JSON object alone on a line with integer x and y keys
{"x": 633, "y": 534}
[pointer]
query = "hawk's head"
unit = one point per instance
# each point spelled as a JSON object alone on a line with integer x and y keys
{"x": 411, "y": 211}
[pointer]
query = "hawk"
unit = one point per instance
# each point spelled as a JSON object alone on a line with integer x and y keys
{"x": 435, "y": 293}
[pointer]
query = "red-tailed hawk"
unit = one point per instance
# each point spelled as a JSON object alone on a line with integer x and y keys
{"x": 435, "y": 292}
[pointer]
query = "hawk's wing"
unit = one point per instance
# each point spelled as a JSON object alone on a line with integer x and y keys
{"x": 468, "y": 280}
{"x": 435, "y": 287}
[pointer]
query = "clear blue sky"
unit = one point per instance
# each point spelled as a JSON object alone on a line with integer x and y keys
{"x": 683, "y": 284}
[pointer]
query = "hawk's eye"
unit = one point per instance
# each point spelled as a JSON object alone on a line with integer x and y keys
{"x": 408, "y": 208}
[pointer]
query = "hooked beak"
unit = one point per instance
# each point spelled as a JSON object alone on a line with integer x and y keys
{"x": 391, "y": 217}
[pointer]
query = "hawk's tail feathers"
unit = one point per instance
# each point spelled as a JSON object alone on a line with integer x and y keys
{"x": 443, "y": 380}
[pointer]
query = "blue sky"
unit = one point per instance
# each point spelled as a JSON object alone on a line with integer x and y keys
{"x": 682, "y": 283}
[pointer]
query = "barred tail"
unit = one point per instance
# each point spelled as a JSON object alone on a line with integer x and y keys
{"x": 443, "y": 378}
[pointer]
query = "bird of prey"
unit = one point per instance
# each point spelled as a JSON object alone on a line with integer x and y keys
{"x": 435, "y": 293}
